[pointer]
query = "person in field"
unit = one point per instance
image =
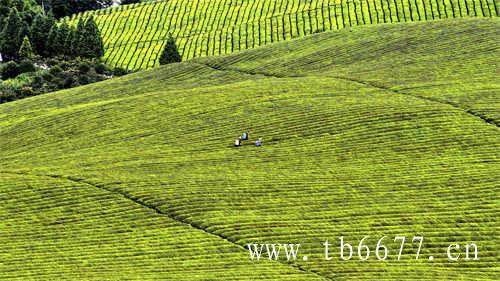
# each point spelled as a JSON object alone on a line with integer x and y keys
{"x": 258, "y": 143}
{"x": 245, "y": 136}
{"x": 237, "y": 142}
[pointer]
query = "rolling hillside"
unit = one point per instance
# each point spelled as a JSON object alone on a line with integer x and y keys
{"x": 374, "y": 130}
{"x": 135, "y": 34}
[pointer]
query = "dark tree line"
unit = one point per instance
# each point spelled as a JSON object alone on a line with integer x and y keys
{"x": 41, "y": 54}
{"x": 47, "y": 38}
{"x": 62, "y": 8}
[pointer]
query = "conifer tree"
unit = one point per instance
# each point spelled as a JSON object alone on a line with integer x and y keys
{"x": 4, "y": 11}
{"x": 54, "y": 46}
{"x": 77, "y": 38}
{"x": 25, "y": 31}
{"x": 170, "y": 52}
{"x": 69, "y": 48}
{"x": 62, "y": 34}
{"x": 9, "y": 37}
{"x": 39, "y": 33}
{"x": 26, "y": 51}
{"x": 91, "y": 45}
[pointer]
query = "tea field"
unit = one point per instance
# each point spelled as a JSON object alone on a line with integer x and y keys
{"x": 134, "y": 35}
{"x": 380, "y": 130}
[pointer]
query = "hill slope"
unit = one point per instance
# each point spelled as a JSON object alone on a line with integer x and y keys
{"x": 134, "y": 35}
{"x": 370, "y": 131}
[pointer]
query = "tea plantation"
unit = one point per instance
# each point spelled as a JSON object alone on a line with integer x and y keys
{"x": 134, "y": 35}
{"x": 381, "y": 130}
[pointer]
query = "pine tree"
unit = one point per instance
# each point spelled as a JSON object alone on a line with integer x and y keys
{"x": 9, "y": 37}
{"x": 40, "y": 29}
{"x": 26, "y": 51}
{"x": 4, "y": 11}
{"x": 24, "y": 31}
{"x": 170, "y": 53}
{"x": 62, "y": 37}
{"x": 61, "y": 8}
{"x": 69, "y": 48}
{"x": 78, "y": 39}
{"x": 54, "y": 46}
{"x": 91, "y": 45}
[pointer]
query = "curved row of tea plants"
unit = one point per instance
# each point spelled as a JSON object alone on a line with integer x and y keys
{"x": 134, "y": 35}
{"x": 61, "y": 229}
{"x": 353, "y": 146}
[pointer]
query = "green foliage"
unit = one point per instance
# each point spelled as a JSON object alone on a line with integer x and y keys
{"x": 40, "y": 30}
{"x": 77, "y": 38}
{"x": 367, "y": 131}
{"x": 71, "y": 42}
{"x": 4, "y": 11}
{"x": 54, "y": 45}
{"x": 62, "y": 8}
{"x": 26, "y": 51}
{"x": 90, "y": 43}
{"x": 170, "y": 53}
{"x": 58, "y": 40}
{"x": 9, "y": 70}
{"x": 24, "y": 31}
{"x": 134, "y": 35}
{"x": 61, "y": 74}
{"x": 26, "y": 66}
{"x": 10, "y": 40}
{"x": 27, "y": 9}
{"x": 38, "y": 38}
{"x": 62, "y": 38}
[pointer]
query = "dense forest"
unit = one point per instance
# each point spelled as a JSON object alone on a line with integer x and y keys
{"x": 39, "y": 53}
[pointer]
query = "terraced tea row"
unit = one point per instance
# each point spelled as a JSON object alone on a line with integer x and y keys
{"x": 341, "y": 157}
{"x": 134, "y": 35}
{"x": 418, "y": 60}
{"x": 59, "y": 229}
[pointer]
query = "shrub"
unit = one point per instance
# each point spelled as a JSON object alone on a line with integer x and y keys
{"x": 47, "y": 76}
{"x": 69, "y": 82}
{"x": 27, "y": 66}
{"x": 55, "y": 70}
{"x": 84, "y": 68}
{"x": 10, "y": 70}
{"x": 119, "y": 71}
{"x": 84, "y": 79}
{"x": 101, "y": 68}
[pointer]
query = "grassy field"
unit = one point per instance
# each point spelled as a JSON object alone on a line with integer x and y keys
{"x": 374, "y": 130}
{"x": 135, "y": 34}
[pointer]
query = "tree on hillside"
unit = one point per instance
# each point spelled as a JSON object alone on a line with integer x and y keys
{"x": 69, "y": 47}
{"x": 26, "y": 51}
{"x": 25, "y": 31}
{"x": 76, "y": 38}
{"x": 4, "y": 11}
{"x": 90, "y": 44}
{"x": 27, "y": 10}
{"x": 62, "y": 37}
{"x": 9, "y": 39}
{"x": 54, "y": 46}
{"x": 57, "y": 42}
{"x": 170, "y": 52}
{"x": 62, "y": 8}
{"x": 40, "y": 29}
